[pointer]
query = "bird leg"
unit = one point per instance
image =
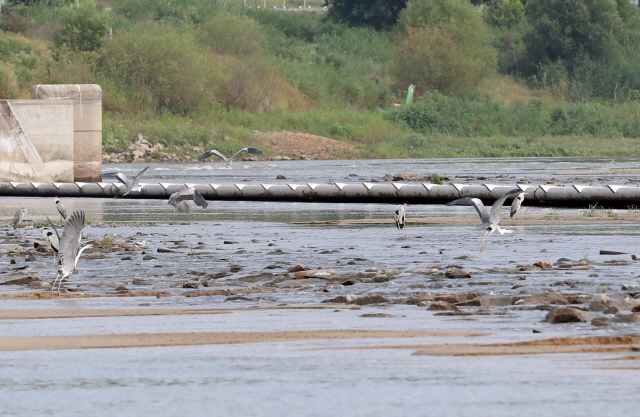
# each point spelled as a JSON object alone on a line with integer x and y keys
{"x": 488, "y": 233}
{"x": 54, "y": 282}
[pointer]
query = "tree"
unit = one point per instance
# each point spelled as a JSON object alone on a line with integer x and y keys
{"x": 571, "y": 31}
{"x": 84, "y": 28}
{"x": 442, "y": 45}
{"x": 380, "y": 14}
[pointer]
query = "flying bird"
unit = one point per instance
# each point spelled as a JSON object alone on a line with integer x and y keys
{"x": 69, "y": 250}
{"x": 490, "y": 216}
{"x": 18, "y": 217}
{"x": 130, "y": 185}
{"x": 179, "y": 200}
{"x": 52, "y": 238}
{"x": 60, "y": 207}
{"x": 400, "y": 219}
{"x": 226, "y": 160}
{"x": 517, "y": 202}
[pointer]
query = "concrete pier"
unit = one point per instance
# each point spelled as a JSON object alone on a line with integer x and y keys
{"x": 612, "y": 196}
{"x": 87, "y": 124}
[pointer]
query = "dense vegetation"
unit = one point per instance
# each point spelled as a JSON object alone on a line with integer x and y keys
{"x": 509, "y": 77}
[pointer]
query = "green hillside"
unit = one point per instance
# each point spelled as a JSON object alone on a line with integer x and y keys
{"x": 495, "y": 79}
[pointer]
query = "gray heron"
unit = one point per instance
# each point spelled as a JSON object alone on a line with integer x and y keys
{"x": 18, "y": 217}
{"x": 226, "y": 160}
{"x": 60, "y": 207}
{"x": 52, "y": 238}
{"x": 179, "y": 200}
{"x": 490, "y": 216}
{"x": 69, "y": 250}
{"x": 130, "y": 185}
{"x": 516, "y": 203}
{"x": 399, "y": 217}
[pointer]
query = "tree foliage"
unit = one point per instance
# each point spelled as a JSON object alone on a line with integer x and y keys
{"x": 443, "y": 45}
{"x": 570, "y": 30}
{"x": 84, "y": 28}
{"x": 380, "y": 14}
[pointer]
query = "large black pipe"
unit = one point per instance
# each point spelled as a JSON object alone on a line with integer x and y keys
{"x": 413, "y": 193}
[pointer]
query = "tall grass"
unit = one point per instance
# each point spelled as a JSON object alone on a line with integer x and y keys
{"x": 483, "y": 117}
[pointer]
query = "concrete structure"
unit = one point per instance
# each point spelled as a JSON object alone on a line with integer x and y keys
{"x": 87, "y": 100}
{"x": 614, "y": 196}
{"x": 48, "y": 126}
{"x": 23, "y": 158}
{"x": 55, "y": 137}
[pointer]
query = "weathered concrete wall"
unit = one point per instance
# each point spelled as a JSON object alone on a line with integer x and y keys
{"x": 87, "y": 99}
{"x": 19, "y": 158}
{"x": 49, "y": 126}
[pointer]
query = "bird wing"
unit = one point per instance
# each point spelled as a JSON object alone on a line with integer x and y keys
{"x": 70, "y": 240}
{"x": 182, "y": 207}
{"x": 17, "y": 218}
{"x": 494, "y": 217}
{"x": 189, "y": 194}
{"x": 468, "y": 201}
{"x": 135, "y": 182}
{"x": 54, "y": 227}
{"x": 212, "y": 152}
{"x": 119, "y": 176}
{"x": 240, "y": 151}
{"x": 254, "y": 151}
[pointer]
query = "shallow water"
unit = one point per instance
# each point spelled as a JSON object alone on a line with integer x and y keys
{"x": 357, "y": 170}
{"x": 297, "y": 378}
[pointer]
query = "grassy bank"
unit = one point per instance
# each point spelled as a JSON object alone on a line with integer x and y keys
{"x": 191, "y": 76}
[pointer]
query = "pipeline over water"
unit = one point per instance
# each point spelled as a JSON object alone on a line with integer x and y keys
{"x": 613, "y": 196}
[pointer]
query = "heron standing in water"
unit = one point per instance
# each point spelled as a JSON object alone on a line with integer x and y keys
{"x": 60, "y": 207}
{"x": 490, "y": 216}
{"x": 400, "y": 218}
{"x": 226, "y": 160}
{"x": 52, "y": 238}
{"x": 19, "y": 217}
{"x": 69, "y": 249}
{"x": 517, "y": 202}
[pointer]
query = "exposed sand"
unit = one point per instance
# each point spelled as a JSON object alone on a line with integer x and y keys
{"x": 202, "y": 338}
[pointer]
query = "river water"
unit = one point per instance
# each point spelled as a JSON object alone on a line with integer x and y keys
{"x": 250, "y": 246}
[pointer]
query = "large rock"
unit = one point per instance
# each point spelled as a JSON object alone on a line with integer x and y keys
{"x": 457, "y": 273}
{"x": 600, "y": 302}
{"x": 567, "y": 315}
{"x": 441, "y": 306}
{"x": 364, "y": 300}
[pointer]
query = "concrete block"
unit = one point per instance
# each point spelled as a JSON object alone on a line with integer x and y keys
{"x": 49, "y": 126}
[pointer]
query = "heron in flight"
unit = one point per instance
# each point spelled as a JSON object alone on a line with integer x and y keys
{"x": 490, "y": 216}
{"x": 400, "y": 218}
{"x": 517, "y": 202}
{"x": 52, "y": 238}
{"x": 69, "y": 250}
{"x": 130, "y": 185}
{"x": 179, "y": 200}
{"x": 18, "y": 217}
{"x": 60, "y": 207}
{"x": 226, "y": 160}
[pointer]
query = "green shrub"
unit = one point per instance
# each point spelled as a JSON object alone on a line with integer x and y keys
{"x": 443, "y": 45}
{"x": 231, "y": 34}
{"x": 506, "y": 13}
{"x": 161, "y": 65}
{"x": 84, "y": 28}
{"x": 575, "y": 29}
